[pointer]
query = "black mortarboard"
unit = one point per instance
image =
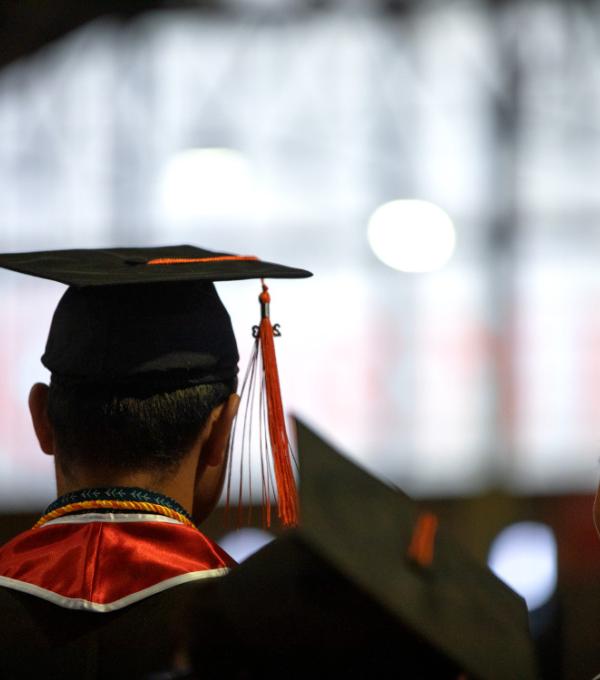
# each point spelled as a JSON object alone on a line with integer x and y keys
{"x": 135, "y": 314}
{"x": 366, "y": 587}
{"x": 139, "y": 318}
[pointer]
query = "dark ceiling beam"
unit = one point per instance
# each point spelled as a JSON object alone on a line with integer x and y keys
{"x": 28, "y": 25}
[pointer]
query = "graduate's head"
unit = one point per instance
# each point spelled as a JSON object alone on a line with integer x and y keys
{"x": 143, "y": 381}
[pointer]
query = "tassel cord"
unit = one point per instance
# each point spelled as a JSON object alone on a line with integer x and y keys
{"x": 280, "y": 447}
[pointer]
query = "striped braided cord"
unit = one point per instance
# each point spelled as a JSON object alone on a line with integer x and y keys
{"x": 113, "y": 505}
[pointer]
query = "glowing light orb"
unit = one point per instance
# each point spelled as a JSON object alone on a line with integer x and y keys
{"x": 197, "y": 183}
{"x": 411, "y": 235}
{"x": 524, "y": 555}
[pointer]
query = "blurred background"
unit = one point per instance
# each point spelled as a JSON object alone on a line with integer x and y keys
{"x": 435, "y": 164}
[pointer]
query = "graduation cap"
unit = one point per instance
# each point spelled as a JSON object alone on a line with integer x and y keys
{"x": 139, "y": 318}
{"x": 368, "y": 586}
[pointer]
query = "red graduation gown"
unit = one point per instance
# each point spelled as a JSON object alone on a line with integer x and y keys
{"x": 102, "y": 562}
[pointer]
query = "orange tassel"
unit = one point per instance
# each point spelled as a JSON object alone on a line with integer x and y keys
{"x": 422, "y": 544}
{"x": 287, "y": 494}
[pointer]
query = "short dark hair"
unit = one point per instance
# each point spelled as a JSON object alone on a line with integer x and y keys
{"x": 100, "y": 426}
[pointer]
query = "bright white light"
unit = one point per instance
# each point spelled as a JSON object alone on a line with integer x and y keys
{"x": 523, "y": 555}
{"x": 411, "y": 235}
{"x": 198, "y": 183}
{"x": 244, "y": 542}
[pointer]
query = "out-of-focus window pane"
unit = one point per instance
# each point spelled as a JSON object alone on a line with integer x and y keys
{"x": 279, "y": 134}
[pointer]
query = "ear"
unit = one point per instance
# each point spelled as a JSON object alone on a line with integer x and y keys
{"x": 210, "y": 473}
{"x": 219, "y": 425}
{"x": 38, "y": 407}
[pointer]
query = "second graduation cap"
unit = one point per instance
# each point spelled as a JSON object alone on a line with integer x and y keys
{"x": 139, "y": 319}
{"x": 367, "y": 587}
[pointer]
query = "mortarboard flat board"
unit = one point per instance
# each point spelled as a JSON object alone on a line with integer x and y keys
{"x": 135, "y": 315}
{"x": 346, "y": 595}
{"x": 120, "y": 266}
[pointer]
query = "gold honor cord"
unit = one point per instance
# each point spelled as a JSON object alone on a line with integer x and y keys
{"x": 113, "y": 505}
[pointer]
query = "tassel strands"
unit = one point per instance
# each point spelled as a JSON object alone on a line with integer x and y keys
{"x": 261, "y": 425}
{"x": 287, "y": 494}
